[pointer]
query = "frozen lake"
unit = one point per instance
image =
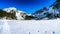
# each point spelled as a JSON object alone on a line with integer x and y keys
{"x": 30, "y": 27}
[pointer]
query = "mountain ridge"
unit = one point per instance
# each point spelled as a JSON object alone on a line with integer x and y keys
{"x": 12, "y": 13}
{"x": 47, "y": 13}
{"x": 53, "y": 12}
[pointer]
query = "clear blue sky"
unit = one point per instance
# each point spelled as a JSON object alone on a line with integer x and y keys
{"x": 28, "y": 6}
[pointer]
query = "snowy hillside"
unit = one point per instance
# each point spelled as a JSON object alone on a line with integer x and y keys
{"x": 12, "y": 13}
{"x": 30, "y": 27}
{"x": 18, "y": 14}
{"x": 52, "y": 12}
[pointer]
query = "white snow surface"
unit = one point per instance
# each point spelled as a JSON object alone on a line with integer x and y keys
{"x": 32, "y": 26}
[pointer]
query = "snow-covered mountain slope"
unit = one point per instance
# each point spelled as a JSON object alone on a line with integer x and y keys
{"x": 12, "y": 13}
{"x": 10, "y": 9}
{"x": 39, "y": 14}
{"x": 30, "y": 26}
{"x": 52, "y": 12}
{"x": 18, "y": 13}
{"x": 56, "y": 4}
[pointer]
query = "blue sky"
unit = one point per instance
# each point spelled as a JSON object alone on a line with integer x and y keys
{"x": 28, "y": 6}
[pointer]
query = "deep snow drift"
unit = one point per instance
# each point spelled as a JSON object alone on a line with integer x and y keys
{"x": 31, "y": 26}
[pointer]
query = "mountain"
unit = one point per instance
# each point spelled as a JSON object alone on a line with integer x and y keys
{"x": 39, "y": 14}
{"x": 12, "y": 13}
{"x": 15, "y": 11}
{"x": 52, "y": 12}
{"x": 6, "y": 15}
{"x": 56, "y": 4}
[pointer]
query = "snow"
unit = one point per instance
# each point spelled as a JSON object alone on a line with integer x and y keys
{"x": 18, "y": 14}
{"x": 6, "y": 28}
{"x": 9, "y": 9}
{"x": 32, "y": 26}
{"x": 53, "y": 11}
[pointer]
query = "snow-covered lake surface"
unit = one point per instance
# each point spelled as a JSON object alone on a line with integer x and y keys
{"x": 30, "y": 27}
